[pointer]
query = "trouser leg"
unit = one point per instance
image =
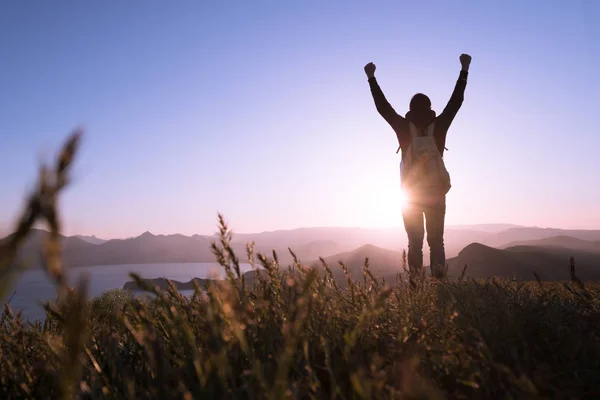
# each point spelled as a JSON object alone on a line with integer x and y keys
{"x": 435, "y": 214}
{"x": 414, "y": 226}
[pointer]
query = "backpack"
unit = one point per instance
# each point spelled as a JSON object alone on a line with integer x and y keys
{"x": 422, "y": 169}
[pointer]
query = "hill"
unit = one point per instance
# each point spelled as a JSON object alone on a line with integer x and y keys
{"x": 163, "y": 285}
{"x": 562, "y": 241}
{"x": 348, "y": 238}
{"x": 507, "y": 236}
{"x": 90, "y": 239}
{"x": 250, "y": 278}
{"x": 488, "y": 228}
{"x": 522, "y": 261}
{"x": 383, "y": 263}
{"x": 587, "y": 263}
{"x": 30, "y": 252}
{"x": 318, "y": 248}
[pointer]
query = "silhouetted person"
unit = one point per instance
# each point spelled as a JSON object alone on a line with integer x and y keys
{"x": 424, "y": 178}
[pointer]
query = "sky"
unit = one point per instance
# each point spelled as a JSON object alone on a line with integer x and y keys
{"x": 261, "y": 111}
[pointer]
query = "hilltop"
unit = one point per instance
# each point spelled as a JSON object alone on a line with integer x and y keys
{"x": 91, "y": 239}
{"x": 382, "y": 263}
{"x": 550, "y": 263}
{"x": 520, "y": 262}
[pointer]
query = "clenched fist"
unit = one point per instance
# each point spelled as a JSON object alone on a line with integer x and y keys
{"x": 465, "y": 61}
{"x": 370, "y": 70}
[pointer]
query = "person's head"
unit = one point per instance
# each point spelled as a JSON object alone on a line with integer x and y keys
{"x": 420, "y": 109}
{"x": 420, "y": 104}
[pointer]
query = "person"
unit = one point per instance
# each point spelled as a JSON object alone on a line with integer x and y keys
{"x": 424, "y": 179}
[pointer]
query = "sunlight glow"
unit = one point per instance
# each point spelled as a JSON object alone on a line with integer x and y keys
{"x": 403, "y": 198}
{"x": 383, "y": 206}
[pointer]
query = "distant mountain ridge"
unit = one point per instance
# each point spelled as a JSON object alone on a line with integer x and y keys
{"x": 91, "y": 239}
{"x": 489, "y": 228}
{"x": 563, "y": 241}
{"x": 307, "y": 243}
{"x": 526, "y": 233}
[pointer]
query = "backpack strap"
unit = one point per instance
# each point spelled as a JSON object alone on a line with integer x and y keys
{"x": 429, "y": 130}
{"x": 414, "y": 131}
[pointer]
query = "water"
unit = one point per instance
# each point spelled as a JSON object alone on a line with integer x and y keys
{"x": 33, "y": 287}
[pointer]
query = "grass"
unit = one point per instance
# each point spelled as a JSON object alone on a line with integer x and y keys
{"x": 292, "y": 332}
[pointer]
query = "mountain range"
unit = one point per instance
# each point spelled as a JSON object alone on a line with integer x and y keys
{"x": 91, "y": 239}
{"x": 521, "y": 262}
{"x": 487, "y": 249}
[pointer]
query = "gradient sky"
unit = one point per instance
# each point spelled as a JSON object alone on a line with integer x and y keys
{"x": 261, "y": 110}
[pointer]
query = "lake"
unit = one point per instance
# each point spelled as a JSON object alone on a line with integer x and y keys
{"x": 33, "y": 286}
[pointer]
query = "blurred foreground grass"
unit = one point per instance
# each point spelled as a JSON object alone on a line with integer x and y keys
{"x": 294, "y": 333}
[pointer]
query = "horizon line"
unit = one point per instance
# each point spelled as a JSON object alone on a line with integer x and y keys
{"x": 307, "y": 228}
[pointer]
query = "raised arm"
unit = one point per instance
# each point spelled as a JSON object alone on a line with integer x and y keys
{"x": 384, "y": 108}
{"x": 458, "y": 95}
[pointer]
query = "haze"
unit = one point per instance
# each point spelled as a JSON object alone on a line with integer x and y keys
{"x": 262, "y": 111}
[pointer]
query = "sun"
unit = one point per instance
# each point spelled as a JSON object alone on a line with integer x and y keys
{"x": 403, "y": 198}
{"x": 384, "y": 206}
